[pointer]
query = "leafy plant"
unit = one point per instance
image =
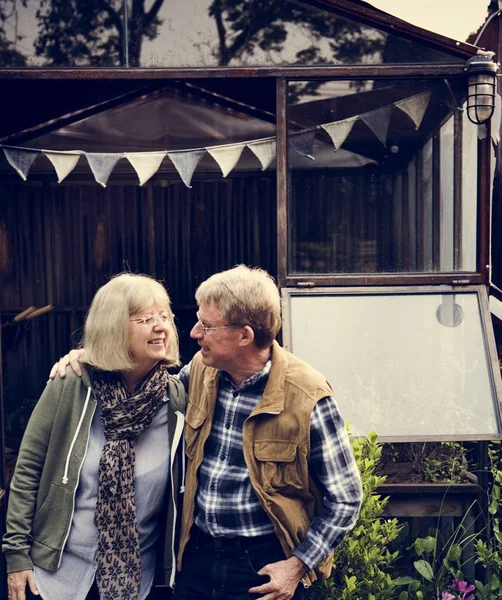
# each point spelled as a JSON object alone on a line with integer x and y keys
{"x": 440, "y": 565}
{"x": 431, "y": 462}
{"x": 488, "y": 552}
{"x": 363, "y": 562}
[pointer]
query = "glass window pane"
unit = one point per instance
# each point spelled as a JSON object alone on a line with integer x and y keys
{"x": 277, "y": 32}
{"x": 447, "y": 212}
{"x": 376, "y": 175}
{"x": 193, "y": 33}
{"x": 401, "y": 364}
{"x": 61, "y": 33}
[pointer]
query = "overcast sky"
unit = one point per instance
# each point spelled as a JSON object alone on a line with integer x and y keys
{"x": 453, "y": 18}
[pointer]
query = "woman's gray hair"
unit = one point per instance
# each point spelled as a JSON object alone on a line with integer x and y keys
{"x": 106, "y": 330}
{"x": 245, "y": 296}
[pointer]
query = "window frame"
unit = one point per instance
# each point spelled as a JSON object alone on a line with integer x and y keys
{"x": 288, "y": 279}
{"x": 486, "y": 327}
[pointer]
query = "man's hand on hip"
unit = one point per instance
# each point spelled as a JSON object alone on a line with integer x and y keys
{"x": 284, "y": 576}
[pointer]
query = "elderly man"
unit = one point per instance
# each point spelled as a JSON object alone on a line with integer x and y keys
{"x": 271, "y": 484}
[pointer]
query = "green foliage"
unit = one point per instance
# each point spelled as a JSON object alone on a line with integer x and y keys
{"x": 429, "y": 461}
{"x": 488, "y": 552}
{"x": 444, "y": 462}
{"x": 363, "y": 562}
{"x": 439, "y": 561}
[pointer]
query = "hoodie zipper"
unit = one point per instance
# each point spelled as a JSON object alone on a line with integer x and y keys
{"x": 67, "y": 465}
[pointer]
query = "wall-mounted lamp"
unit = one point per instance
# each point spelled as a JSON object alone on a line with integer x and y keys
{"x": 482, "y": 73}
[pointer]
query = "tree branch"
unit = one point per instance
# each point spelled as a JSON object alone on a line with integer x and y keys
{"x": 222, "y": 34}
{"x": 254, "y": 26}
{"x": 152, "y": 13}
{"x": 105, "y": 7}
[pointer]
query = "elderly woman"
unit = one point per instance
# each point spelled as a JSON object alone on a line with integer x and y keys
{"x": 99, "y": 459}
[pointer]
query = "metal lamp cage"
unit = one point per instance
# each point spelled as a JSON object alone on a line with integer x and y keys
{"x": 481, "y": 87}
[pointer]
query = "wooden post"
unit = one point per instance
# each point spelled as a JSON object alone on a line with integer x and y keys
{"x": 282, "y": 182}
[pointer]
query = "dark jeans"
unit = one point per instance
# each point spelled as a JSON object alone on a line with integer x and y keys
{"x": 225, "y": 569}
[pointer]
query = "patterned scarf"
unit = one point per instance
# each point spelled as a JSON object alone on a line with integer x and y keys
{"x": 124, "y": 416}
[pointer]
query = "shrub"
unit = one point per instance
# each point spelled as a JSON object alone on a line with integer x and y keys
{"x": 362, "y": 564}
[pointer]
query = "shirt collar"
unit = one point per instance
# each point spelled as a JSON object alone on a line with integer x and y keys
{"x": 257, "y": 379}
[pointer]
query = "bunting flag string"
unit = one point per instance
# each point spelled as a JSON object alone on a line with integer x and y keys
{"x": 226, "y": 156}
{"x": 265, "y": 151}
{"x": 146, "y": 164}
{"x": 63, "y": 162}
{"x": 21, "y": 159}
{"x": 415, "y": 107}
{"x": 303, "y": 142}
{"x": 339, "y": 130}
{"x": 378, "y": 121}
{"x": 186, "y": 162}
{"x": 102, "y": 165}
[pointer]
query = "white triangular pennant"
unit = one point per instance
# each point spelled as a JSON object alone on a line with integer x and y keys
{"x": 63, "y": 161}
{"x": 339, "y": 130}
{"x": 415, "y": 107}
{"x": 146, "y": 164}
{"x": 21, "y": 159}
{"x": 102, "y": 165}
{"x": 226, "y": 156}
{"x": 264, "y": 150}
{"x": 186, "y": 162}
{"x": 303, "y": 142}
{"x": 378, "y": 121}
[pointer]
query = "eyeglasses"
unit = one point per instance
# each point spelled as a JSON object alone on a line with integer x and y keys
{"x": 206, "y": 329}
{"x": 151, "y": 320}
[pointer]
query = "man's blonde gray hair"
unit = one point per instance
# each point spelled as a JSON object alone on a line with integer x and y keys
{"x": 245, "y": 296}
{"x": 106, "y": 331}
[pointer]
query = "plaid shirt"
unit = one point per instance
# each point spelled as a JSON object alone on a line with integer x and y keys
{"x": 226, "y": 504}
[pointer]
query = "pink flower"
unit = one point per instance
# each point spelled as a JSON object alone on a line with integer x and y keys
{"x": 447, "y": 596}
{"x": 464, "y": 588}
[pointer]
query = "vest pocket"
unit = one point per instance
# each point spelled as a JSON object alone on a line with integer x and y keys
{"x": 194, "y": 420}
{"x": 276, "y": 461}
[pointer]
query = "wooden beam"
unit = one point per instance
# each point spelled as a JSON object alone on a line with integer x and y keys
{"x": 436, "y": 70}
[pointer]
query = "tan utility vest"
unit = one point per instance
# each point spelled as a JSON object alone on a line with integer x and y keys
{"x": 276, "y": 442}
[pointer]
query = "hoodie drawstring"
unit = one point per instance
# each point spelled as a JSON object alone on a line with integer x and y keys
{"x": 67, "y": 464}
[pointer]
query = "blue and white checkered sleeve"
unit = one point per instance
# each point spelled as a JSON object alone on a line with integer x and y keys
{"x": 332, "y": 461}
{"x": 184, "y": 375}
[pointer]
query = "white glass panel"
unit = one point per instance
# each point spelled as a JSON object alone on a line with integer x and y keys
{"x": 469, "y": 193}
{"x": 396, "y": 369}
{"x": 447, "y": 186}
